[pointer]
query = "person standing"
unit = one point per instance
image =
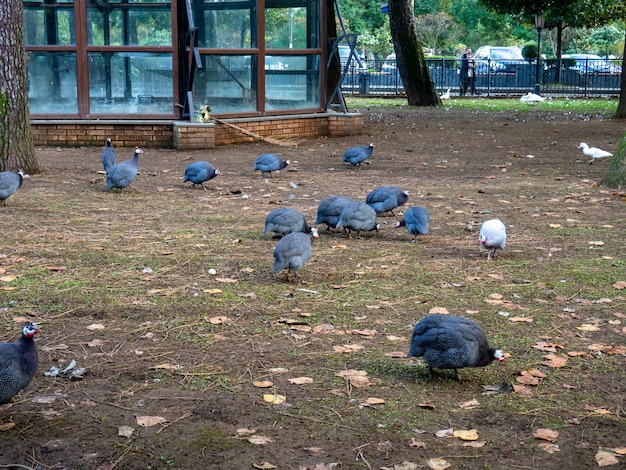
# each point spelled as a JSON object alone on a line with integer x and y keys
{"x": 468, "y": 73}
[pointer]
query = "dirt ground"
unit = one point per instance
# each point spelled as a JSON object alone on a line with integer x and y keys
{"x": 189, "y": 368}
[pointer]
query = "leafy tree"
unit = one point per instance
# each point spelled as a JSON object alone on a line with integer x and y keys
{"x": 436, "y": 30}
{"x": 16, "y": 142}
{"x": 615, "y": 176}
{"x": 418, "y": 84}
{"x": 605, "y": 37}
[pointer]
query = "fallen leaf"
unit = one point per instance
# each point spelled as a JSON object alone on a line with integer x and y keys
{"x": 498, "y": 277}
{"x": 523, "y": 391}
{"x": 264, "y": 465}
{"x": 95, "y": 326}
{"x": 605, "y": 459}
{"x": 245, "y": 431}
{"x": 549, "y": 448}
{"x": 620, "y": 285}
{"x": 6, "y": 426}
{"x": 527, "y": 379}
{"x": 576, "y": 353}
{"x": 374, "y": 401}
{"x": 466, "y": 435}
{"x": 8, "y": 278}
{"x": 555, "y": 361}
{"x": 416, "y": 444}
{"x": 406, "y": 465}
{"x": 263, "y": 383}
{"x": 125, "y": 431}
{"x": 437, "y": 464}
{"x": 396, "y": 354}
{"x": 619, "y": 450}
{"x": 440, "y": 310}
{"x": 554, "y": 225}
{"x": 166, "y": 366}
{"x": 212, "y": 291}
{"x": 219, "y": 320}
{"x": 274, "y": 399}
{"x": 596, "y": 243}
{"x": 301, "y": 380}
{"x": 546, "y": 434}
{"x": 445, "y": 432}
{"x": 148, "y": 421}
{"x": 226, "y": 280}
{"x": 469, "y": 405}
{"x": 588, "y": 327}
{"x": 259, "y": 440}
{"x": 521, "y": 319}
{"x": 476, "y": 444}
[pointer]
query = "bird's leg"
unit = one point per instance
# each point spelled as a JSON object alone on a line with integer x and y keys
{"x": 590, "y": 162}
{"x": 348, "y": 233}
{"x": 456, "y": 375}
{"x": 203, "y": 186}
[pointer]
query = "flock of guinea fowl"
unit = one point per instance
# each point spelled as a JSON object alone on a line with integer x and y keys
{"x": 444, "y": 341}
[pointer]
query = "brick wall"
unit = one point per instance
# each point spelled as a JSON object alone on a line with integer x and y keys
{"x": 184, "y": 135}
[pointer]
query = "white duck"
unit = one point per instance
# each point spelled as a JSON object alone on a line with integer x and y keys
{"x": 594, "y": 152}
{"x": 446, "y": 95}
{"x": 532, "y": 98}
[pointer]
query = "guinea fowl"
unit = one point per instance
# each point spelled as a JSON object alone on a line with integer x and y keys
{"x": 123, "y": 174}
{"x": 292, "y": 251}
{"x": 387, "y": 198}
{"x": 269, "y": 162}
{"x": 357, "y": 155}
{"x": 285, "y": 220}
{"x": 18, "y": 363}
{"x": 329, "y": 210}
{"x": 357, "y": 216}
{"x": 449, "y": 342}
{"x": 492, "y": 236}
{"x": 200, "y": 172}
{"x": 10, "y": 181}
{"x": 594, "y": 152}
{"x": 416, "y": 220}
{"x": 109, "y": 157}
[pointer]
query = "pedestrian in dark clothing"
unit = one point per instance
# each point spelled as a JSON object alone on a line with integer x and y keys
{"x": 468, "y": 73}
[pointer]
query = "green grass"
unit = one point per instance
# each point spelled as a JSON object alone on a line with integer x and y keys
{"x": 600, "y": 106}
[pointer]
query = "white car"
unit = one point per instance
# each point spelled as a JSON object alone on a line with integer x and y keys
{"x": 499, "y": 59}
{"x": 591, "y": 63}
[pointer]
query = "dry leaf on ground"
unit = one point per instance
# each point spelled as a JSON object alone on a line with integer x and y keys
{"x": 259, "y": 440}
{"x": 549, "y": 448}
{"x": 605, "y": 459}
{"x": 440, "y": 310}
{"x": 546, "y": 434}
{"x": 125, "y": 431}
{"x": 437, "y": 464}
{"x": 264, "y": 465}
{"x": 466, "y": 434}
{"x": 148, "y": 421}
{"x": 263, "y": 383}
{"x": 555, "y": 361}
{"x": 301, "y": 380}
{"x": 274, "y": 399}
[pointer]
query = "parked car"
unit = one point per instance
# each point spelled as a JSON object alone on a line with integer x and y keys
{"x": 591, "y": 63}
{"x": 356, "y": 63}
{"x": 499, "y": 59}
{"x": 389, "y": 65}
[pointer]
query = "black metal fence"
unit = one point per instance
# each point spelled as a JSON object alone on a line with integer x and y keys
{"x": 581, "y": 78}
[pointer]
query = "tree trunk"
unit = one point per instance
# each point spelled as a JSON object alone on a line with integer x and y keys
{"x": 16, "y": 141}
{"x": 621, "y": 106}
{"x": 418, "y": 84}
{"x": 615, "y": 176}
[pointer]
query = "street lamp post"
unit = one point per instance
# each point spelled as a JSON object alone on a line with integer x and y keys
{"x": 539, "y": 22}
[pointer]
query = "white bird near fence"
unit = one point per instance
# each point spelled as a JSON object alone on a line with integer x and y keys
{"x": 594, "y": 152}
{"x": 532, "y": 98}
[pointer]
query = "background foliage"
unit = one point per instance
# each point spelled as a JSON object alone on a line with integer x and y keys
{"x": 446, "y": 27}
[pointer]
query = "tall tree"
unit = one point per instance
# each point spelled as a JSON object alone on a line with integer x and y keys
{"x": 16, "y": 142}
{"x": 418, "y": 84}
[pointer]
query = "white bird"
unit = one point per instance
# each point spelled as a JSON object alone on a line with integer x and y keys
{"x": 446, "y": 95}
{"x": 594, "y": 152}
{"x": 532, "y": 98}
{"x": 492, "y": 236}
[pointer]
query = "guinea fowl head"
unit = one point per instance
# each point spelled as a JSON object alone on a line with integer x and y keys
{"x": 217, "y": 172}
{"x": 499, "y": 356}
{"x": 406, "y": 193}
{"x": 138, "y": 151}
{"x": 482, "y": 239}
{"x": 314, "y": 233}
{"x": 30, "y": 330}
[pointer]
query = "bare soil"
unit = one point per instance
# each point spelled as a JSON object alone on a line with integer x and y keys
{"x": 122, "y": 284}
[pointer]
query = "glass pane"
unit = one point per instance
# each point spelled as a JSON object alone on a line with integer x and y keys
{"x": 130, "y": 83}
{"x": 286, "y": 28}
{"x": 292, "y": 82}
{"x": 52, "y": 83}
{"x": 225, "y": 29}
{"x": 112, "y": 25}
{"x": 49, "y": 26}
{"x": 225, "y": 83}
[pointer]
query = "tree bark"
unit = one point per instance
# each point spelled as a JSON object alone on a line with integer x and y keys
{"x": 621, "y": 106}
{"x": 17, "y": 151}
{"x": 418, "y": 84}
